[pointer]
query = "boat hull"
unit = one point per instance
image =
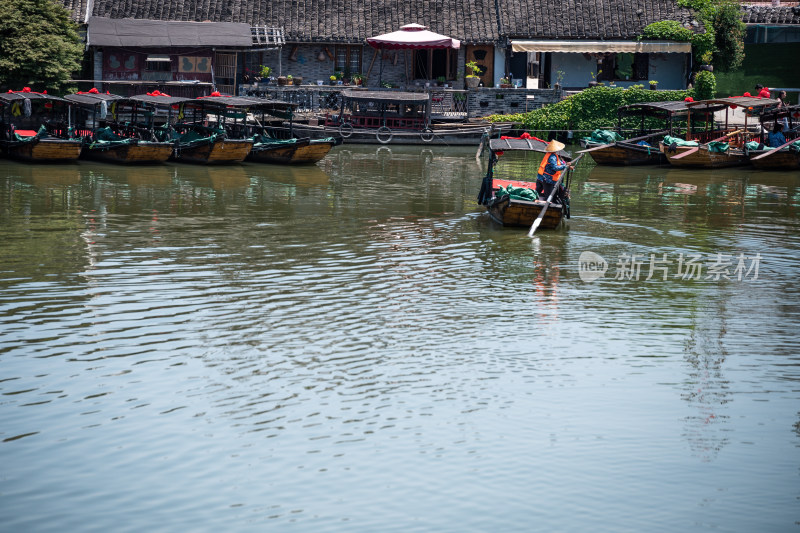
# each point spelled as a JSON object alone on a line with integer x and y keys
{"x": 461, "y": 136}
{"x": 130, "y": 154}
{"x": 302, "y": 152}
{"x": 47, "y": 150}
{"x": 217, "y": 152}
{"x": 521, "y": 213}
{"x": 703, "y": 158}
{"x": 780, "y": 160}
{"x": 616, "y": 155}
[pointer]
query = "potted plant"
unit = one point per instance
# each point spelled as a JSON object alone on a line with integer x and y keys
{"x": 297, "y": 80}
{"x": 505, "y": 83}
{"x": 358, "y": 79}
{"x": 653, "y": 85}
{"x": 440, "y": 80}
{"x": 265, "y": 72}
{"x": 706, "y": 61}
{"x": 559, "y": 79}
{"x": 595, "y": 82}
{"x": 283, "y": 80}
{"x": 472, "y": 80}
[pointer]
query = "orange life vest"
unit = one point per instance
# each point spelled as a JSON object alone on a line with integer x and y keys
{"x": 543, "y": 165}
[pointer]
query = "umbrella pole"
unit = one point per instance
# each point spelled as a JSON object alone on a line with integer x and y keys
{"x": 380, "y": 75}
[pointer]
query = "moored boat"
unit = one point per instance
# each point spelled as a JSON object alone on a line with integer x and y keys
{"x": 515, "y": 202}
{"x": 35, "y": 127}
{"x": 393, "y": 117}
{"x": 717, "y": 147}
{"x": 786, "y": 157}
{"x": 189, "y": 127}
{"x": 609, "y": 148}
{"x": 108, "y": 125}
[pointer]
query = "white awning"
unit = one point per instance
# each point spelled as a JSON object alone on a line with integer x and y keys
{"x": 594, "y": 47}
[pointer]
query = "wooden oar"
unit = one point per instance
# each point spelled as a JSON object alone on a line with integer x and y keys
{"x": 620, "y": 141}
{"x": 759, "y": 156}
{"x": 556, "y": 185}
{"x": 696, "y": 148}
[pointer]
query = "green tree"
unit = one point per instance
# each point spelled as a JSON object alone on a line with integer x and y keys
{"x": 729, "y": 31}
{"x": 39, "y": 45}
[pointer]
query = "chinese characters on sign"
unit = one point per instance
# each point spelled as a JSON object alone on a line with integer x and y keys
{"x": 662, "y": 267}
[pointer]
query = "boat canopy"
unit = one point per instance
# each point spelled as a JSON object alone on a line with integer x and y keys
{"x": 670, "y": 107}
{"x": 20, "y": 96}
{"x": 731, "y": 101}
{"x": 160, "y": 100}
{"x": 396, "y": 97}
{"x": 528, "y": 145}
{"x": 93, "y": 99}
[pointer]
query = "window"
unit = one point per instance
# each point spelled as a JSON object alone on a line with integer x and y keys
{"x": 625, "y": 67}
{"x": 431, "y": 64}
{"x": 348, "y": 59}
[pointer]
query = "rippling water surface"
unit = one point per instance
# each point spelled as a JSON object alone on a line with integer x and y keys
{"x": 355, "y": 346}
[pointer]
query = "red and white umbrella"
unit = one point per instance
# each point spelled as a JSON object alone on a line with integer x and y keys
{"x": 413, "y": 36}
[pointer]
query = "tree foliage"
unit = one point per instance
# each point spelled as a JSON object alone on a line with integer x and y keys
{"x": 729, "y": 31}
{"x": 39, "y": 45}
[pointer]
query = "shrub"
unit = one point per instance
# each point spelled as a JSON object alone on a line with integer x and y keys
{"x": 588, "y": 110}
{"x": 705, "y": 85}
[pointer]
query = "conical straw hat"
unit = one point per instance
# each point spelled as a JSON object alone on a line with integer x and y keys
{"x": 554, "y": 146}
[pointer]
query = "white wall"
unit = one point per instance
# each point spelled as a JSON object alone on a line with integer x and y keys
{"x": 576, "y": 68}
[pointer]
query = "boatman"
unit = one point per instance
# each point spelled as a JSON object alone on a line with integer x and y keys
{"x": 550, "y": 169}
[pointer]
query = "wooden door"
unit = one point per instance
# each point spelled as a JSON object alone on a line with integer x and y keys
{"x": 484, "y": 57}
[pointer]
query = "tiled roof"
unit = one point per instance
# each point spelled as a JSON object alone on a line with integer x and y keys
{"x": 77, "y": 7}
{"x": 771, "y": 15}
{"x": 588, "y": 19}
{"x": 472, "y": 21}
{"x": 322, "y": 20}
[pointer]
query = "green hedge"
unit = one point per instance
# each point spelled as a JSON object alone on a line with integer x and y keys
{"x": 588, "y": 110}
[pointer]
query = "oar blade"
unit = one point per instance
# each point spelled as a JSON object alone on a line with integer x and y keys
{"x": 534, "y": 227}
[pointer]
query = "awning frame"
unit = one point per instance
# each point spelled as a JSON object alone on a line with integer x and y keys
{"x": 594, "y": 47}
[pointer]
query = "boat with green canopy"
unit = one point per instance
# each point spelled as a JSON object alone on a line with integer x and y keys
{"x": 112, "y": 130}
{"x": 36, "y": 127}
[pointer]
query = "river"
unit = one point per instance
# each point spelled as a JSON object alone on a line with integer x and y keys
{"x": 355, "y": 347}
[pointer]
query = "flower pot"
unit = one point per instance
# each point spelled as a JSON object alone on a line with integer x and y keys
{"x": 594, "y": 83}
{"x": 297, "y": 80}
{"x": 653, "y": 87}
{"x": 505, "y": 86}
{"x": 709, "y": 68}
{"x": 283, "y": 80}
{"x": 472, "y": 81}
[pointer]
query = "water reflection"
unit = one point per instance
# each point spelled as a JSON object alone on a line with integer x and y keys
{"x": 308, "y": 336}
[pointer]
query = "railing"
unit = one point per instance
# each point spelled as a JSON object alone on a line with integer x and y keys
{"x": 448, "y": 103}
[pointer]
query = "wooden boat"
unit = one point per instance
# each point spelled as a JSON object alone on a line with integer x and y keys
{"x": 511, "y": 210}
{"x": 393, "y": 117}
{"x": 717, "y": 147}
{"x": 108, "y": 125}
{"x": 786, "y": 157}
{"x": 187, "y": 126}
{"x": 643, "y": 149}
{"x": 35, "y": 127}
{"x": 290, "y": 151}
{"x": 277, "y": 143}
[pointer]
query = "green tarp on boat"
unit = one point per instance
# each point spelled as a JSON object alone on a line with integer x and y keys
{"x": 518, "y": 193}
{"x": 670, "y": 140}
{"x": 599, "y": 136}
